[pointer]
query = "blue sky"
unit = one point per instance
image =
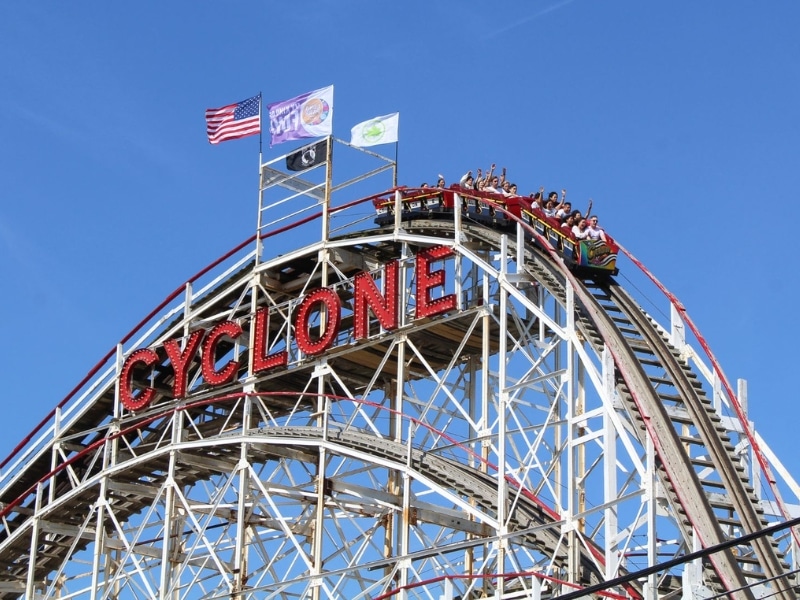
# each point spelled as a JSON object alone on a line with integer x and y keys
{"x": 681, "y": 120}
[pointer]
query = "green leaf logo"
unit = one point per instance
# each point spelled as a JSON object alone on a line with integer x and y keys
{"x": 373, "y": 131}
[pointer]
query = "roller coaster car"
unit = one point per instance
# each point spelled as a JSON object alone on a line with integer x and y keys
{"x": 586, "y": 257}
{"x": 421, "y": 203}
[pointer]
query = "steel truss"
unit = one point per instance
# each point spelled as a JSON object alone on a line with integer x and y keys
{"x": 543, "y": 436}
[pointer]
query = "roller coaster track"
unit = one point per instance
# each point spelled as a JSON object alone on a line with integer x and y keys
{"x": 100, "y": 471}
{"x": 699, "y": 466}
{"x": 269, "y": 443}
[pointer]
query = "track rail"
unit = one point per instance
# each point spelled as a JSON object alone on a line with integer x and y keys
{"x": 698, "y": 463}
{"x": 531, "y": 524}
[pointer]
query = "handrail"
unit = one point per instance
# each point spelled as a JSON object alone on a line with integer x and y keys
{"x": 517, "y": 575}
{"x": 737, "y": 407}
{"x": 160, "y": 307}
{"x": 93, "y": 371}
{"x": 760, "y": 457}
{"x": 9, "y": 507}
{"x": 6, "y": 508}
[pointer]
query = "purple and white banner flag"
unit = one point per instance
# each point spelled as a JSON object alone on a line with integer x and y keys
{"x": 307, "y": 115}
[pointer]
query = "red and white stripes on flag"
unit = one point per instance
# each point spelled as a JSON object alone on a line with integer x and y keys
{"x": 234, "y": 121}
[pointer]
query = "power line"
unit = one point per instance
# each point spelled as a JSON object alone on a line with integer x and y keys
{"x": 747, "y": 587}
{"x": 681, "y": 560}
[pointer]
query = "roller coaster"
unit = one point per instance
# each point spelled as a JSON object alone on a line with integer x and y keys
{"x": 396, "y": 405}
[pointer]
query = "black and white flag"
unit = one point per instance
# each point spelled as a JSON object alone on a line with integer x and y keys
{"x": 308, "y": 156}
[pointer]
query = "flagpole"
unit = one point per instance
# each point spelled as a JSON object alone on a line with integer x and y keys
{"x": 260, "y": 183}
{"x": 396, "y": 145}
{"x": 328, "y": 186}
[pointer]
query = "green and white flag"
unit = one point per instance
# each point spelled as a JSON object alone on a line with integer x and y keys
{"x": 380, "y": 130}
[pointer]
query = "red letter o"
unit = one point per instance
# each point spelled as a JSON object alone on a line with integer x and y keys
{"x": 330, "y": 301}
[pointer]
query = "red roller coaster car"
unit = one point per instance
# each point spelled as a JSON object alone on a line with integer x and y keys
{"x": 503, "y": 212}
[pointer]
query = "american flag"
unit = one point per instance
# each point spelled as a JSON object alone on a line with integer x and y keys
{"x": 234, "y": 121}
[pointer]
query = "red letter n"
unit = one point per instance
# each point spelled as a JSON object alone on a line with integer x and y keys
{"x": 368, "y": 296}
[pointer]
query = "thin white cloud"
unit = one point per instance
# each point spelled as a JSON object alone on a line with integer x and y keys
{"x": 26, "y": 255}
{"x": 95, "y": 139}
{"x": 55, "y": 126}
{"x": 525, "y": 21}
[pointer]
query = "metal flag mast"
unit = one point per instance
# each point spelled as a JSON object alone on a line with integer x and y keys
{"x": 326, "y": 224}
{"x": 289, "y": 190}
{"x": 260, "y": 124}
{"x": 260, "y": 160}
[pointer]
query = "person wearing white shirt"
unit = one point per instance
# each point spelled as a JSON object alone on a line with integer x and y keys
{"x": 550, "y": 208}
{"x": 580, "y": 231}
{"x": 493, "y": 185}
{"x": 595, "y": 233}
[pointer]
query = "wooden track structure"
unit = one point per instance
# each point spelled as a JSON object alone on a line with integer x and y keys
{"x": 547, "y": 434}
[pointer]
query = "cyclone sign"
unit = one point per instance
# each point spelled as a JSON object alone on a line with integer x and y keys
{"x": 201, "y": 344}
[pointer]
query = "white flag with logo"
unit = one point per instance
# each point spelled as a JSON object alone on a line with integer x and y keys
{"x": 380, "y": 130}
